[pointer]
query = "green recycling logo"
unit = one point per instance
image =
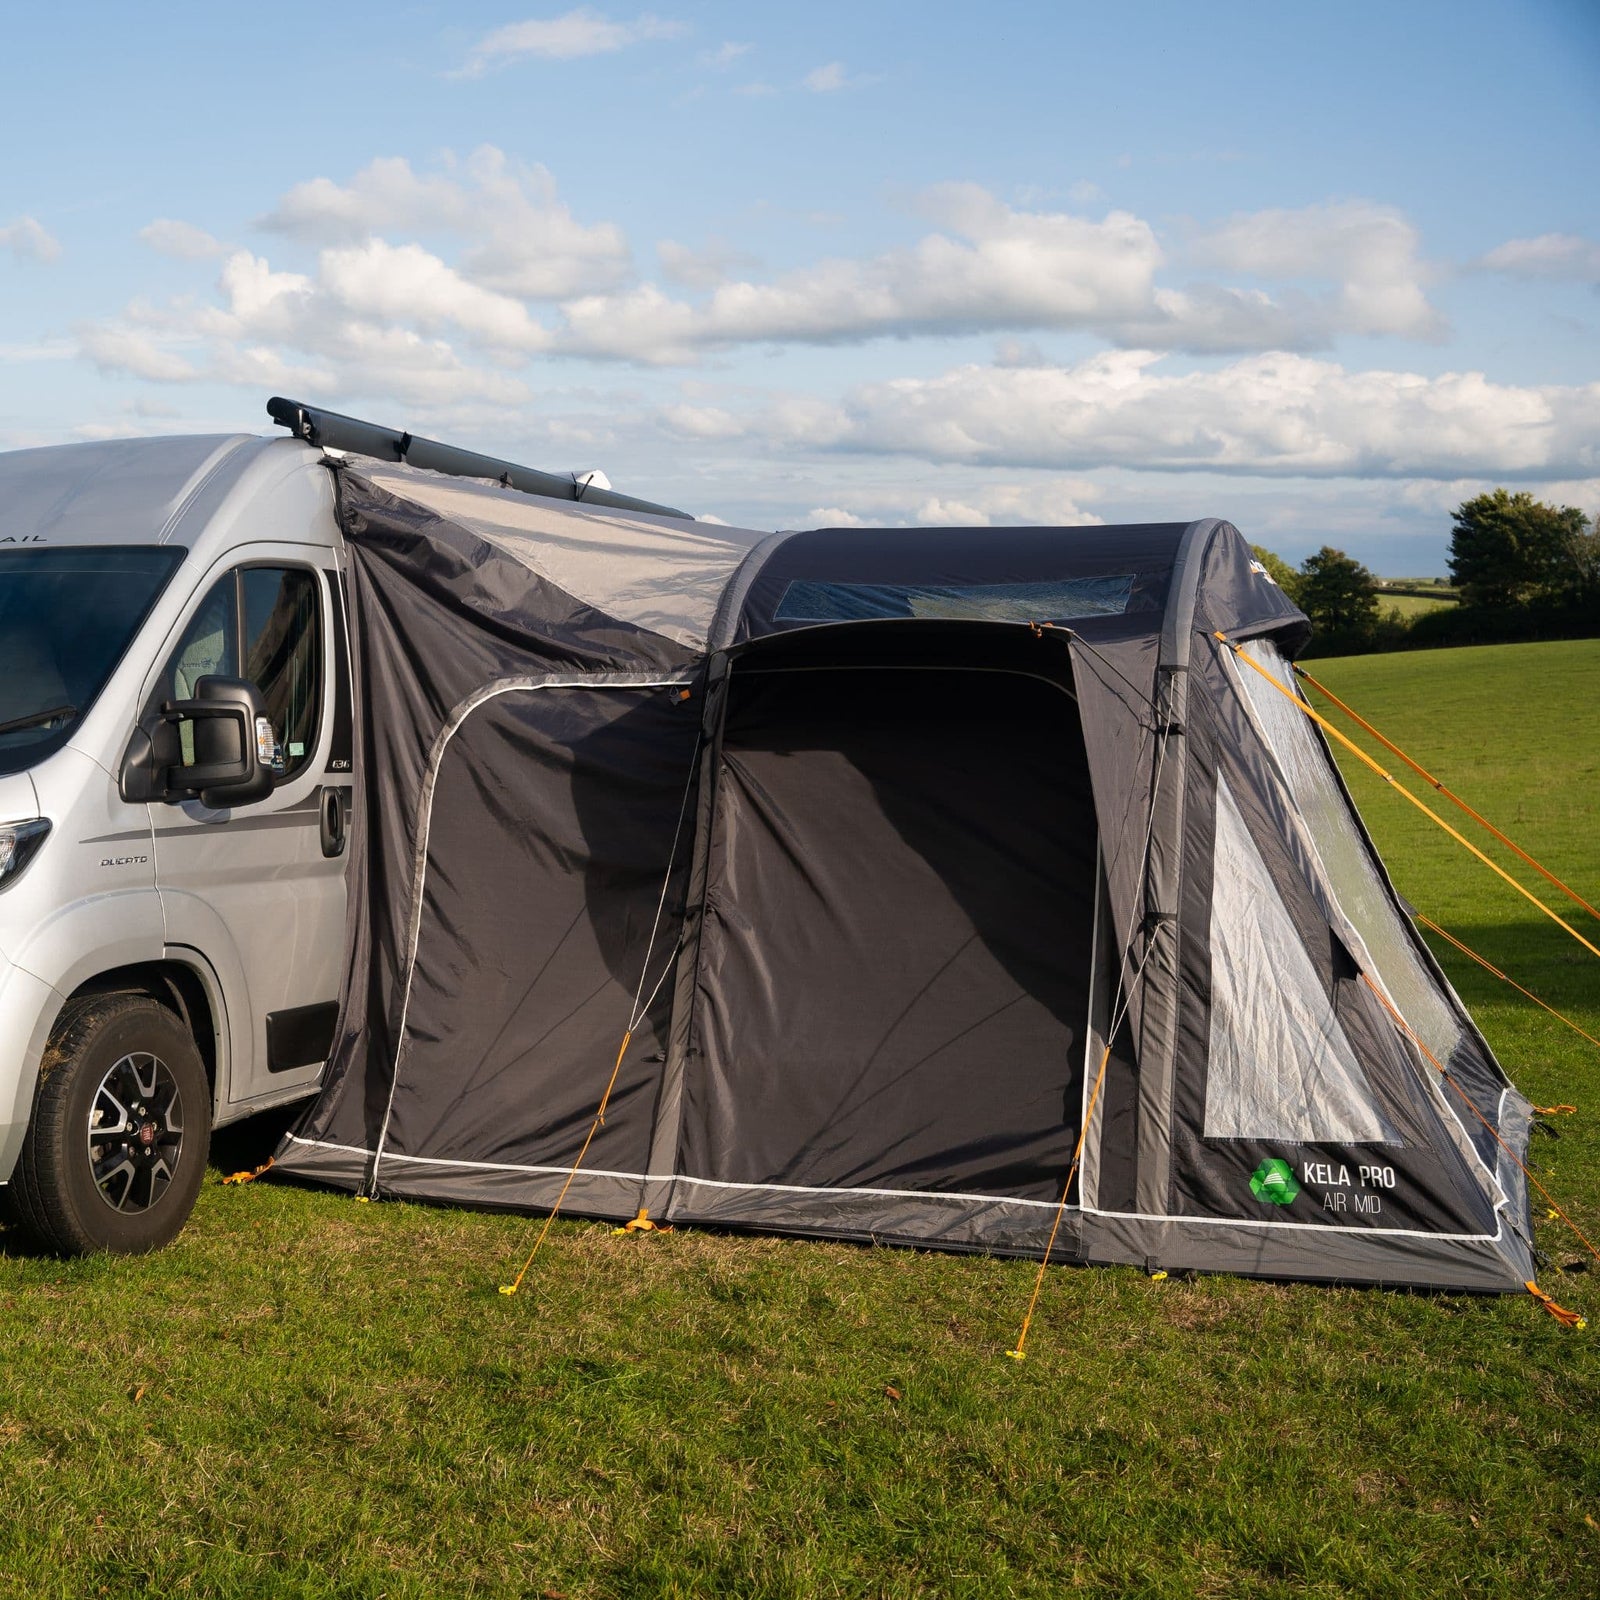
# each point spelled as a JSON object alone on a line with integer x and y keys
{"x": 1274, "y": 1182}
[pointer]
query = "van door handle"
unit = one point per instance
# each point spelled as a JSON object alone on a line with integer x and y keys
{"x": 332, "y": 821}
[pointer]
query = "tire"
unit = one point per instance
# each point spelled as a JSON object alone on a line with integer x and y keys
{"x": 116, "y": 1149}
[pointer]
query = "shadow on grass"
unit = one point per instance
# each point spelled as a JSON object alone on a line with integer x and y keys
{"x": 243, "y": 1146}
{"x": 1539, "y": 956}
{"x": 14, "y": 1244}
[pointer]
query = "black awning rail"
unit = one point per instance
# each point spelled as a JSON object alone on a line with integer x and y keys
{"x": 332, "y": 431}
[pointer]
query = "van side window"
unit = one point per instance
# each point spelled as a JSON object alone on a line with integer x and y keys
{"x": 283, "y": 654}
{"x": 211, "y": 645}
{"x": 277, "y": 612}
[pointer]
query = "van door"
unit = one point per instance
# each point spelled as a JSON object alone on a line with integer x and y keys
{"x": 259, "y": 890}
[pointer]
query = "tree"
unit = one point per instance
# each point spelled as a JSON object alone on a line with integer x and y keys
{"x": 1512, "y": 550}
{"x": 1278, "y": 569}
{"x": 1338, "y": 593}
{"x": 1583, "y": 587}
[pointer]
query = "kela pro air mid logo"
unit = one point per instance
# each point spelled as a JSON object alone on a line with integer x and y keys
{"x": 1274, "y": 1182}
{"x": 1328, "y": 1183}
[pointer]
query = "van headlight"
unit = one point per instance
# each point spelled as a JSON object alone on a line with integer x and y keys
{"x": 19, "y": 844}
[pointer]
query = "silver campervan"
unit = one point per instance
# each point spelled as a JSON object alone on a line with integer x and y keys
{"x": 176, "y": 753}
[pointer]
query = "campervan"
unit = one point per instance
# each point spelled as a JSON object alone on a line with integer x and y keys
{"x": 176, "y": 751}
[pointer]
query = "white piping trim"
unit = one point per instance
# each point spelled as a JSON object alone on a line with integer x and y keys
{"x": 419, "y": 858}
{"x": 681, "y": 1177}
{"x": 900, "y": 1194}
{"x": 887, "y": 1194}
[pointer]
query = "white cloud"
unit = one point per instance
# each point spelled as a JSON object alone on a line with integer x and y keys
{"x": 181, "y": 240}
{"x": 338, "y": 331}
{"x": 1270, "y": 414}
{"x": 583, "y": 32}
{"x": 704, "y": 268}
{"x": 123, "y": 349}
{"x": 1047, "y": 503}
{"x": 426, "y": 286}
{"x": 833, "y": 517}
{"x": 1372, "y": 253}
{"x": 995, "y": 268}
{"x": 385, "y": 194}
{"x": 523, "y": 239}
{"x": 397, "y": 361}
{"x": 1583, "y": 492}
{"x": 701, "y": 422}
{"x": 1550, "y": 255}
{"x": 971, "y": 503}
{"x": 1002, "y": 269}
{"x": 831, "y": 78}
{"x": 262, "y": 367}
{"x": 260, "y": 300}
{"x": 407, "y": 284}
{"x": 1267, "y": 416}
{"x": 827, "y": 79}
{"x": 724, "y": 55}
{"x": 29, "y": 240}
{"x": 935, "y": 513}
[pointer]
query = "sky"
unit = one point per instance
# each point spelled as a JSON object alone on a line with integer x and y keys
{"x": 1325, "y": 270}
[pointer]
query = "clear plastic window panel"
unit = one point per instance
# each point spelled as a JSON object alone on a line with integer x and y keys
{"x": 1347, "y": 862}
{"x": 1280, "y": 1064}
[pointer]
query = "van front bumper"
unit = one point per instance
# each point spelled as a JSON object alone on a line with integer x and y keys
{"x": 28, "y": 1008}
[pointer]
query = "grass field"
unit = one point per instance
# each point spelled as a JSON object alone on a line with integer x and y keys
{"x": 310, "y": 1396}
{"x": 1412, "y": 605}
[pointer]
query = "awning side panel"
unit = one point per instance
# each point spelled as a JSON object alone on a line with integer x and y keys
{"x": 1355, "y": 1113}
{"x": 428, "y": 633}
{"x": 554, "y": 862}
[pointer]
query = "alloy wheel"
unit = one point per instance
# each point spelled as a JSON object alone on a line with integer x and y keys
{"x": 135, "y": 1132}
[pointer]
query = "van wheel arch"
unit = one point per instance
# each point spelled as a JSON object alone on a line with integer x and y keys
{"x": 172, "y": 984}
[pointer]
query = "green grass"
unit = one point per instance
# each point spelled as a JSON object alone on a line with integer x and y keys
{"x": 1409, "y": 606}
{"x": 311, "y": 1396}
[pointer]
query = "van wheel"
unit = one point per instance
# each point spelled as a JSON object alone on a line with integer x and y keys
{"x": 121, "y": 1126}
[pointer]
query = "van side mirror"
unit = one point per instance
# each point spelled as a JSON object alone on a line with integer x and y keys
{"x": 236, "y": 756}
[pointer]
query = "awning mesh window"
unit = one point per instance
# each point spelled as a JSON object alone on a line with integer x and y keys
{"x": 1058, "y": 600}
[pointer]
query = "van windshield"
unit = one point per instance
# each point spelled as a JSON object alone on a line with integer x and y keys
{"x": 66, "y": 617}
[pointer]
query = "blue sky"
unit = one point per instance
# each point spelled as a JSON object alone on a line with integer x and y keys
{"x": 1323, "y": 270}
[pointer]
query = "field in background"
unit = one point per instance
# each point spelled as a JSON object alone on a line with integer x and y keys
{"x": 1412, "y": 605}
{"x": 311, "y": 1396}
